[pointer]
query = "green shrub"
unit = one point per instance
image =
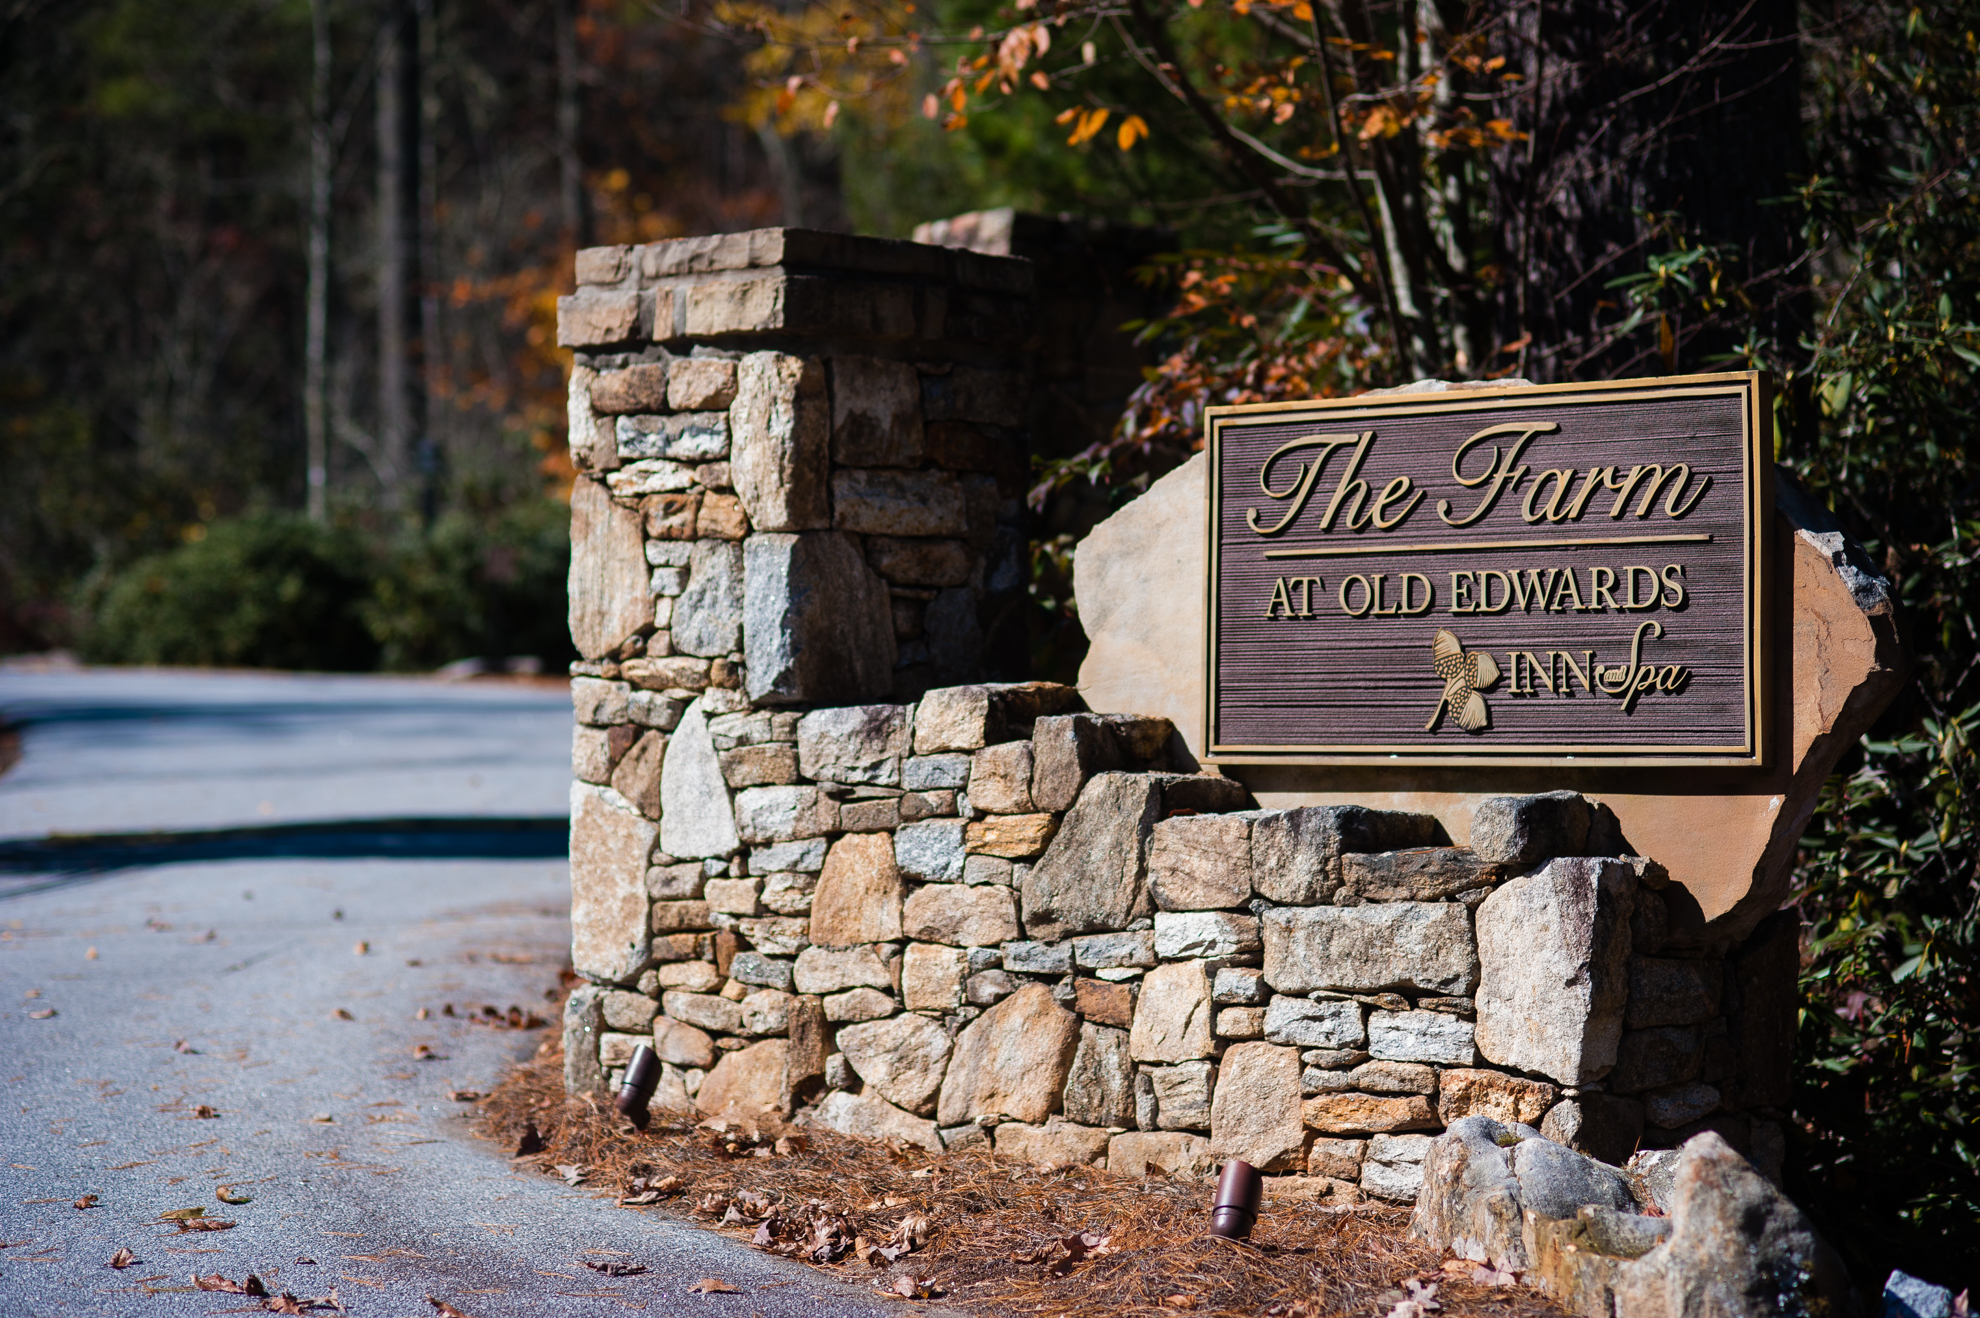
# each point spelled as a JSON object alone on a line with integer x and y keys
{"x": 474, "y": 588}
{"x": 269, "y": 590}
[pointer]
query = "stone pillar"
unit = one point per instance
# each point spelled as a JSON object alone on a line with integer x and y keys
{"x": 818, "y": 444}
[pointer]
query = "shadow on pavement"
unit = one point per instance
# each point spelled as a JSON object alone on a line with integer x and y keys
{"x": 65, "y": 858}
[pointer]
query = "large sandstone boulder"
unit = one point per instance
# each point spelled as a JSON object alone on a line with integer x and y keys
{"x": 1728, "y": 840}
{"x": 1010, "y": 1063}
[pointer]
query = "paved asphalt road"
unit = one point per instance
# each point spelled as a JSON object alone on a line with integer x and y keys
{"x": 215, "y": 984}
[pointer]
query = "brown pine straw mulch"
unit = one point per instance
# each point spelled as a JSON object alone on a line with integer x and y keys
{"x": 996, "y": 1236}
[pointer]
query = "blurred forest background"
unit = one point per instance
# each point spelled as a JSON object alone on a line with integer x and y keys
{"x": 278, "y": 383}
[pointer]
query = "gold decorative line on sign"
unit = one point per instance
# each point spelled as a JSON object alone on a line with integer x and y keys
{"x": 1345, "y": 550}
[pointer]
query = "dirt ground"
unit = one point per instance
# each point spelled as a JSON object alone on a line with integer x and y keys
{"x": 984, "y": 1234}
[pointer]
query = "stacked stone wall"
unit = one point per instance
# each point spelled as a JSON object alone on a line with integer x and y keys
{"x": 990, "y": 916}
{"x": 800, "y": 461}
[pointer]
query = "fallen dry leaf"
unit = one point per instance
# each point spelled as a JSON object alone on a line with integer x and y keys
{"x": 712, "y": 1286}
{"x": 41, "y": 1014}
{"x": 184, "y": 1047}
{"x": 614, "y": 1268}
{"x": 122, "y": 1259}
{"x": 913, "y": 1288}
{"x": 444, "y": 1309}
{"x": 423, "y": 1052}
{"x": 341, "y": 1015}
{"x": 572, "y": 1173}
{"x": 1179, "y": 1301}
{"x": 205, "y": 1112}
{"x": 284, "y": 1303}
{"x": 180, "y": 1214}
{"x": 464, "y": 1095}
{"x": 215, "y": 1282}
{"x": 225, "y": 1194}
{"x": 87, "y": 1201}
{"x": 362, "y": 948}
{"x": 206, "y": 1224}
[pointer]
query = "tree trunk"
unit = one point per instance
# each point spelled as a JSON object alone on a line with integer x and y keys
{"x": 315, "y": 423}
{"x": 397, "y": 63}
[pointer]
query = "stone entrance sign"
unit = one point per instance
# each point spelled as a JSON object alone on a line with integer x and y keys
{"x": 1553, "y": 575}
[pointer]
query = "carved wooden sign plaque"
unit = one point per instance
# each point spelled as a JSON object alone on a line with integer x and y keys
{"x": 1561, "y": 574}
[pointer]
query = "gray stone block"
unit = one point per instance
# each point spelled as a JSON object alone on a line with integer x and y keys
{"x": 1666, "y": 1055}
{"x": 876, "y": 413}
{"x": 708, "y": 615}
{"x": 1100, "y": 1085}
{"x": 1115, "y": 951}
{"x": 817, "y": 624}
{"x": 1093, "y": 875}
{"x": 1303, "y": 1023}
{"x": 1028, "y": 958}
{"x": 925, "y": 773}
{"x": 1215, "y": 935}
{"x": 1554, "y": 947}
{"x": 1519, "y": 830}
{"x": 806, "y": 854}
{"x": 1421, "y": 946}
{"x": 780, "y": 434}
{"x": 932, "y": 850}
{"x": 1424, "y": 874}
{"x": 861, "y": 744}
{"x": 697, "y": 818}
{"x": 681, "y": 437}
{"x": 1182, "y": 1094}
{"x": 1067, "y": 750}
{"x": 765, "y": 971}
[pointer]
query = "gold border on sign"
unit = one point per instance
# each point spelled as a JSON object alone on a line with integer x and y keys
{"x": 1755, "y": 389}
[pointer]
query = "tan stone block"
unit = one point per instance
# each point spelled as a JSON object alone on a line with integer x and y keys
{"x": 858, "y": 898}
{"x": 609, "y": 600}
{"x": 701, "y": 384}
{"x": 1199, "y": 862}
{"x": 694, "y": 976}
{"x": 1241, "y": 1023}
{"x": 733, "y": 896}
{"x": 1494, "y": 1094}
{"x": 1000, "y": 779}
{"x": 670, "y": 673}
{"x": 1423, "y": 874}
{"x": 638, "y": 388}
{"x": 638, "y": 776}
{"x": 872, "y": 1117}
{"x": 1104, "y": 1003}
{"x": 681, "y": 1044}
{"x": 617, "y": 1049}
{"x": 671, "y": 516}
{"x": 961, "y": 915}
{"x": 1312, "y": 1190}
{"x": 609, "y": 847}
{"x": 677, "y": 917}
{"x": 750, "y": 1086}
{"x": 1172, "y": 1016}
{"x": 594, "y": 318}
{"x": 1054, "y": 1144}
{"x": 1365, "y": 1114}
{"x": 704, "y": 1011}
{"x": 1172, "y": 1153}
{"x": 1729, "y": 843}
{"x": 1255, "y": 1111}
{"x": 759, "y": 766}
{"x": 721, "y": 518}
{"x": 932, "y": 977}
{"x": 591, "y": 754}
{"x": 603, "y": 265}
{"x": 735, "y": 306}
{"x": 1010, "y": 1063}
{"x": 1014, "y": 837}
{"x": 1337, "y": 1158}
